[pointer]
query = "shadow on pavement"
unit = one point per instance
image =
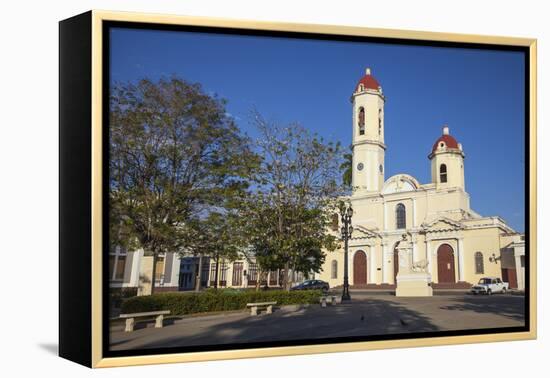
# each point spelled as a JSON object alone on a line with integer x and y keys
{"x": 512, "y": 308}
{"x": 357, "y": 318}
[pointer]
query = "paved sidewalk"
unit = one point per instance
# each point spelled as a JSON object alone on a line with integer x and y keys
{"x": 365, "y": 315}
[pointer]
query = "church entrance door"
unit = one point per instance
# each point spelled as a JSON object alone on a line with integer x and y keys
{"x": 360, "y": 268}
{"x": 395, "y": 264}
{"x": 445, "y": 264}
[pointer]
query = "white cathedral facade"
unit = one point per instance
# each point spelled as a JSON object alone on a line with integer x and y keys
{"x": 458, "y": 245}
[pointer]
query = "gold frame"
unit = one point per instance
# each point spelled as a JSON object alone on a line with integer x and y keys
{"x": 97, "y": 331}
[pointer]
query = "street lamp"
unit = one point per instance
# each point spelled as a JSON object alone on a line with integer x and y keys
{"x": 346, "y": 212}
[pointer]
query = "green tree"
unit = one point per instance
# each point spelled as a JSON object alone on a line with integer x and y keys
{"x": 174, "y": 153}
{"x": 295, "y": 189}
{"x": 347, "y": 167}
{"x": 215, "y": 236}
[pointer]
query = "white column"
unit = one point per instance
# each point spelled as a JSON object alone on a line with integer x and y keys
{"x": 175, "y": 270}
{"x": 520, "y": 273}
{"x": 460, "y": 259}
{"x": 372, "y": 273}
{"x": 136, "y": 264}
{"x": 415, "y": 252}
{"x": 429, "y": 256}
{"x": 384, "y": 267}
{"x": 385, "y": 216}
{"x": 414, "y": 212}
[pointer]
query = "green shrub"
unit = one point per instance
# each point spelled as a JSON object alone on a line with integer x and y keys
{"x": 117, "y": 295}
{"x": 214, "y": 300}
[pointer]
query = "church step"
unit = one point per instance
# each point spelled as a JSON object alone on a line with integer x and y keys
{"x": 369, "y": 287}
{"x": 453, "y": 285}
{"x": 436, "y": 286}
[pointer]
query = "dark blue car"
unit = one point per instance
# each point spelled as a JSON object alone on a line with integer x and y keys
{"x": 312, "y": 285}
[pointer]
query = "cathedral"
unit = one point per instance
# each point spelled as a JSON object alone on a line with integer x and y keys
{"x": 457, "y": 245}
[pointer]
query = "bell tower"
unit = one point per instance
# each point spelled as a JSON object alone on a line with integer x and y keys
{"x": 368, "y": 135}
{"x": 447, "y": 160}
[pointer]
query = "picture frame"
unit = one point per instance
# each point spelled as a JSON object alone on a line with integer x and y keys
{"x": 84, "y": 191}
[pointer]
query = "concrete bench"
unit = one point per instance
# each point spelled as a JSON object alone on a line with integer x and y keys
{"x": 130, "y": 318}
{"x": 327, "y": 298}
{"x": 254, "y": 307}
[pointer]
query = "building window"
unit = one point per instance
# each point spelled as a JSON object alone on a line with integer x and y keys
{"x": 120, "y": 264}
{"x": 213, "y": 268}
{"x": 400, "y": 216}
{"x": 223, "y": 273}
{"x": 159, "y": 269}
{"x": 204, "y": 271}
{"x": 273, "y": 277}
{"x": 334, "y": 269}
{"x": 361, "y": 121}
{"x": 252, "y": 273}
{"x": 334, "y": 223}
{"x": 479, "y": 263}
{"x": 117, "y": 264}
{"x": 443, "y": 173}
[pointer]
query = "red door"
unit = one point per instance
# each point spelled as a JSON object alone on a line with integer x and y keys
{"x": 509, "y": 275}
{"x": 445, "y": 264}
{"x": 360, "y": 268}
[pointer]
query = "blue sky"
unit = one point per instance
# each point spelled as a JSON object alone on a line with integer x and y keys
{"x": 478, "y": 93}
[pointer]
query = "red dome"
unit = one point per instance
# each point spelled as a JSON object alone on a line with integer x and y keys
{"x": 450, "y": 142}
{"x": 368, "y": 81}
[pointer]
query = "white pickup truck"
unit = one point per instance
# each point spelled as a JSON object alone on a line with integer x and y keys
{"x": 490, "y": 285}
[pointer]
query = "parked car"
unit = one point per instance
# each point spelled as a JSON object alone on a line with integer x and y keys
{"x": 490, "y": 285}
{"x": 312, "y": 285}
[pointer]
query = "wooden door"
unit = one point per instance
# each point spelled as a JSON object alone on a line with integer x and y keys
{"x": 359, "y": 268}
{"x": 509, "y": 275}
{"x": 445, "y": 264}
{"x": 395, "y": 264}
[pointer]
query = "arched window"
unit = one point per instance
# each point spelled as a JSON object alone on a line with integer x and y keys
{"x": 479, "y": 263}
{"x": 400, "y": 216}
{"x": 443, "y": 173}
{"x": 361, "y": 121}
{"x": 334, "y": 269}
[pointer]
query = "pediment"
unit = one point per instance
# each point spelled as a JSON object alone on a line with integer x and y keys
{"x": 400, "y": 183}
{"x": 442, "y": 224}
{"x": 360, "y": 232}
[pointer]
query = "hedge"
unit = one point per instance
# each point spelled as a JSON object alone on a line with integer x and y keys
{"x": 214, "y": 300}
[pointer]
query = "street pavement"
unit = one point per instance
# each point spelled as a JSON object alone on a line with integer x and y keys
{"x": 366, "y": 314}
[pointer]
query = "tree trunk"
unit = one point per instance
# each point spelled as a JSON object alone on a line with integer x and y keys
{"x": 199, "y": 273}
{"x": 217, "y": 274}
{"x": 259, "y": 279}
{"x": 285, "y": 278}
{"x": 154, "y": 273}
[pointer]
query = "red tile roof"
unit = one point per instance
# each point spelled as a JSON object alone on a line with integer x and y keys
{"x": 450, "y": 142}
{"x": 369, "y": 82}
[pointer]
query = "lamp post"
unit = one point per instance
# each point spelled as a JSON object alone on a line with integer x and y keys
{"x": 346, "y": 212}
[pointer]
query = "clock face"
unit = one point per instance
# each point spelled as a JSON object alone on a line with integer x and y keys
{"x": 360, "y": 166}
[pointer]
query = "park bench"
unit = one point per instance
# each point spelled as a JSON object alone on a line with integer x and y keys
{"x": 130, "y": 318}
{"x": 327, "y": 298}
{"x": 254, "y": 307}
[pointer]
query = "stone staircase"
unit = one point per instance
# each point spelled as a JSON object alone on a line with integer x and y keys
{"x": 436, "y": 286}
{"x": 450, "y": 286}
